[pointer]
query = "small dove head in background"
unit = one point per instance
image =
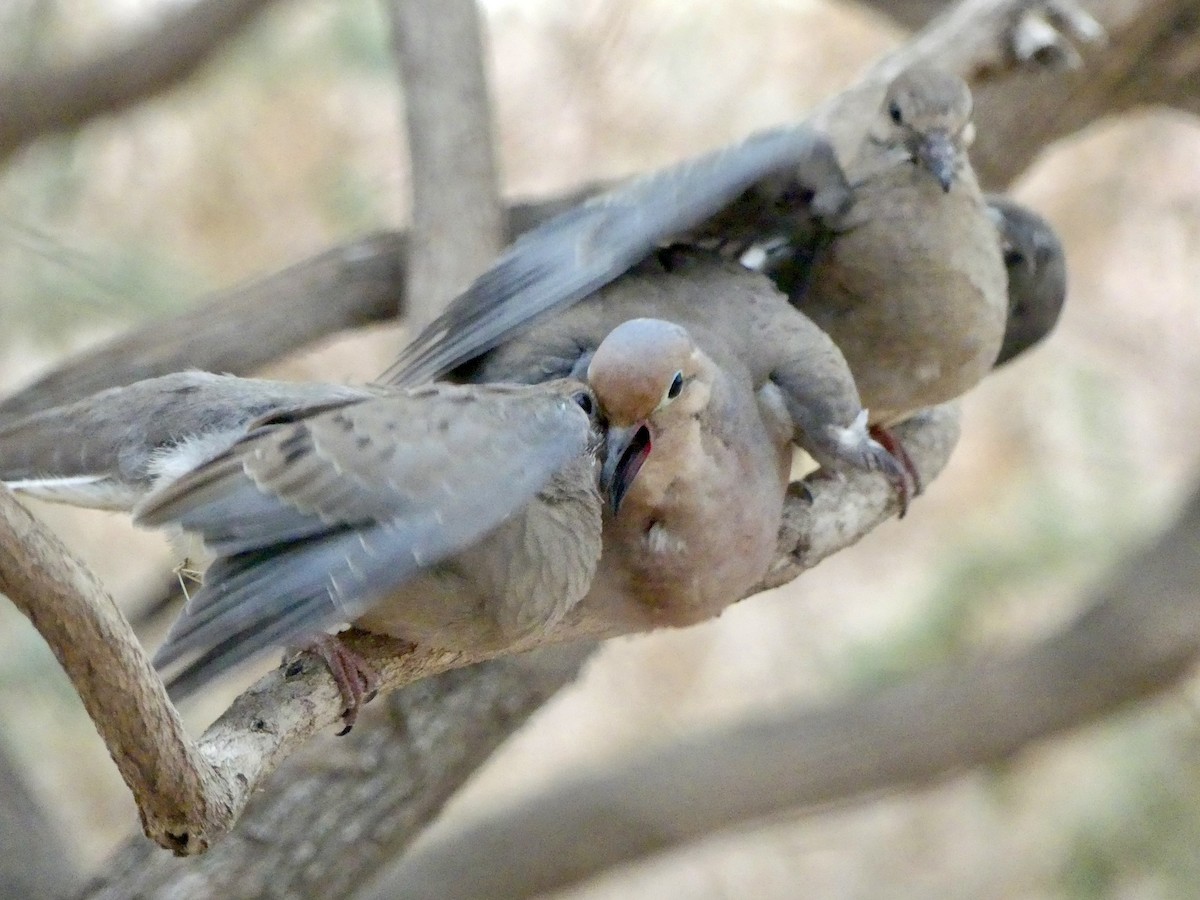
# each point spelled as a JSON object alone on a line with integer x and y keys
{"x": 1037, "y": 275}
{"x": 927, "y": 112}
{"x": 649, "y": 378}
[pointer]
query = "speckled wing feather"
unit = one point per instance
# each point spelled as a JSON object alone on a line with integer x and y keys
{"x": 586, "y": 247}
{"x": 316, "y": 519}
{"x": 106, "y": 450}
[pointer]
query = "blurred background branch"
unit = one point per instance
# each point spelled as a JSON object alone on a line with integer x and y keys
{"x": 1065, "y": 460}
{"x": 457, "y": 217}
{"x": 48, "y": 100}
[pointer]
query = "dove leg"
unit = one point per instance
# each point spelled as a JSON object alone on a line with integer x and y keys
{"x": 355, "y": 678}
{"x": 893, "y": 445}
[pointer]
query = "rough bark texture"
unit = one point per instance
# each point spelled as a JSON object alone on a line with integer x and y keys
{"x": 173, "y": 784}
{"x": 364, "y": 795}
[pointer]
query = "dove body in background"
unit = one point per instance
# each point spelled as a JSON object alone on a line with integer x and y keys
{"x": 750, "y": 375}
{"x": 1037, "y": 275}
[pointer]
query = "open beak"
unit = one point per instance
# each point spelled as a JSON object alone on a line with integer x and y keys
{"x": 938, "y": 154}
{"x": 627, "y": 450}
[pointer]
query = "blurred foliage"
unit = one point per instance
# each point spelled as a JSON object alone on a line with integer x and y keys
{"x": 1041, "y": 535}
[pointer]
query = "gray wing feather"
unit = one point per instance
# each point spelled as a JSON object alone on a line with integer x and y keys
{"x": 316, "y": 520}
{"x": 583, "y": 249}
{"x": 116, "y": 433}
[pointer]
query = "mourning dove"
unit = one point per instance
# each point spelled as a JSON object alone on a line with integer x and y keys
{"x": 461, "y": 517}
{"x": 472, "y": 513}
{"x": 910, "y": 283}
{"x": 741, "y": 323}
{"x": 697, "y": 527}
{"x": 726, "y": 384}
{"x": 1037, "y": 275}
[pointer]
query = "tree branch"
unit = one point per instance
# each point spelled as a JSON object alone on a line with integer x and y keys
{"x": 33, "y": 104}
{"x": 380, "y": 785}
{"x": 119, "y": 688}
{"x": 457, "y": 216}
{"x": 1140, "y": 635}
{"x": 190, "y": 794}
{"x": 239, "y": 330}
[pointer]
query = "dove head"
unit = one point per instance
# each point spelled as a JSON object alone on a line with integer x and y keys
{"x": 927, "y": 111}
{"x": 649, "y": 378}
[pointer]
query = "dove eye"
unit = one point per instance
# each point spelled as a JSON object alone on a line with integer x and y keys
{"x": 676, "y": 386}
{"x": 584, "y": 401}
{"x": 1013, "y": 258}
{"x": 894, "y": 112}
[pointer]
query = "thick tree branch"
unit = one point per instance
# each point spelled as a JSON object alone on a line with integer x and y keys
{"x": 1140, "y": 635}
{"x": 119, "y": 688}
{"x": 189, "y": 793}
{"x": 36, "y": 103}
{"x": 457, "y": 216}
{"x": 366, "y": 795}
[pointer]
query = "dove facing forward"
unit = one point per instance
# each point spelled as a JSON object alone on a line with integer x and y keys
{"x": 911, "y": 284}
{"x": 695, "y": 525}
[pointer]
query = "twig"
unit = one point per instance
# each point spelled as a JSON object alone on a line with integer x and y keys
{"x": 171, "y": 781}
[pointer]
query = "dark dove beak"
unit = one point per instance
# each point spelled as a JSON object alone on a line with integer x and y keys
{"x": 627, "y": 450}
{"x": 938, "y": 154}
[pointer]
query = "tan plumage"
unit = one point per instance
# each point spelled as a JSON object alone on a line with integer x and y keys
{"x": 911, "y": 285}
{"x": 458, "y": 517}
{"x": 698, "y": 526}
